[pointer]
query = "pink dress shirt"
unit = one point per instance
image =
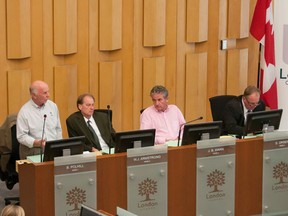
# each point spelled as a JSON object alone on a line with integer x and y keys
{"x": 166, "y": 123}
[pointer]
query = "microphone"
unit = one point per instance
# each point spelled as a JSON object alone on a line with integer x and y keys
{"x": 109, "y": 121}
{"x": 199, "y": 118}
{"x": 41, "y": 150}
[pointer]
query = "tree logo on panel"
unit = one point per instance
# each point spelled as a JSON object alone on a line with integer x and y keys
{"x": 75, "y": 197}
{"x": 147, "y": 188}
{"x": 215, "y": 179}
{"x": 280, "y": 173}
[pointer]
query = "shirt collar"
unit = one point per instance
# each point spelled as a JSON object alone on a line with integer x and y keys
{"x": 161, "y": 111}
{"x": 244, "y": 107}
{"x": 91, "y": 119}
{"x": 35, "y": 105}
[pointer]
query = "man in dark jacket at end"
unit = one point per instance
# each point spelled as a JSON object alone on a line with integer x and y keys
{"x": 95, "y": 126}
{"x": 236, "y": 110}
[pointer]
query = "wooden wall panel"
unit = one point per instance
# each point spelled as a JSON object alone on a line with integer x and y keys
{"x": 196, "y": 86}
{"x": 153, "y": 74}
{"x": 65, "y": 80}
{"x": 137, "y": 58}
{"x": 75, "y": 27}
{"x": 154, "y": 23}
{"x": 18, "y": 29}
{"x": 3, "y": 65}
{"x": 65, "y": 27}
{"x": 216, "y": 58}
{"x": 18, "y": 88}
{"x": 110, "y": 25}
{"x": 46, "y": 52}
{"x": 180, "y": 49}
{"x": 93, "y": 41}
{"x": 110, "y": 90}
{"x": 238, "y": 19}
{"x": 237, "y": 71}
{"x": 197, "y": 20}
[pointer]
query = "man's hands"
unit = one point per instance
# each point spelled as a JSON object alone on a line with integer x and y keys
{"x": 39, "y": 143}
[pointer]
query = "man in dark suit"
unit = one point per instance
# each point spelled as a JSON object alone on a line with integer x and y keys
{"x": 95, "y": 126}
{"x": 236, "y": 110}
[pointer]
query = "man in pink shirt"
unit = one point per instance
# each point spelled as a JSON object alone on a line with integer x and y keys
{"x": 166, "y": 119}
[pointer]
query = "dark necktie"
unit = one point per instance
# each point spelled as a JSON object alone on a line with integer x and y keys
{"x": 94, "y": 135}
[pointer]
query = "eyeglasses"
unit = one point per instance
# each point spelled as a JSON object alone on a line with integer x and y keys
{"x": 252, "y": 104}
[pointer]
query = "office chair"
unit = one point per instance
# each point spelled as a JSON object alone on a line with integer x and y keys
{"x": 105, "y": 111}
{"x": 217, "y": 104}
{"x": 142, "y": 110}
{"x": 10, "y": 176}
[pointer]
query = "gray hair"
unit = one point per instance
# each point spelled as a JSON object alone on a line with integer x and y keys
{"x": 159, "y": 89}
{"x": 250, "y": 90}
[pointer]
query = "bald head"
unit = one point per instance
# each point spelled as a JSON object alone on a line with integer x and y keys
{"x": 36, "y": 85}
{"x": 39, "y": 92}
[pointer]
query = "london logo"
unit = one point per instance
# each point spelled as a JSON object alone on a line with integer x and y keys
{"x": 75, "y": 197}
{"x": 147, "y": 188}
{"x": 280, "y": 173}
{"x": 215, "y": 180}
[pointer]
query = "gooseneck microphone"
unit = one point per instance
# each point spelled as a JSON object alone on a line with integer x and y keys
{"x": 41, "y": 150}
{"x": 199, "y": 118}
{"x": 110, "y": 129}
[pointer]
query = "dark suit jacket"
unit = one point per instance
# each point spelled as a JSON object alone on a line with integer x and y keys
{"x": 233, "y": 117}
{"x": 77, "y": 126}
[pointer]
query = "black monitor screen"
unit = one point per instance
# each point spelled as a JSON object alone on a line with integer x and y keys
{"x": 87, "y": 211}
{"x": 134, "y": 139}
{"x": 257, "y": 122}
{"x": 63, "y": 147}
{"x": 207, "y": 130}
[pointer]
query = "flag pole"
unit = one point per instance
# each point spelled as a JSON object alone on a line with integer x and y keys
{"x": 259, "y": 66}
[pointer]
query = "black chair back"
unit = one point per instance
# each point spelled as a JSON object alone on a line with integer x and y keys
{"x": 105, "y": 111}
{"x": 15, "y": 145}
{"x": 217, "y": 104}
{"x": 142, "y": 110}
{"x": 12, "y": 177}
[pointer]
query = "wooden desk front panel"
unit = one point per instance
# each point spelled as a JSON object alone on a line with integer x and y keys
{"x": 37, "y": 182}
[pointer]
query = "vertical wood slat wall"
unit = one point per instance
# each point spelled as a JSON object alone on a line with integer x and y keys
{"x": 117, "y": 50}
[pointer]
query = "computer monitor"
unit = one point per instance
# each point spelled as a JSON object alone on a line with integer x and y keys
{"x": 202, "y": 131}
{"x": 258, "y": 122}
{"x": 88, "y": 211}
{"x": 134, "y": 139}
{"x": 63, "y": 147}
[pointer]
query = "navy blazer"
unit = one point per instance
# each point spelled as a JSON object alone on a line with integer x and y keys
{"x": 233, "y": 116}
{"x": 77, "y": 126}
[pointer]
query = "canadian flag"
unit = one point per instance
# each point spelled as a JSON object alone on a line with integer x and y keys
{"x": 262, "y": 29}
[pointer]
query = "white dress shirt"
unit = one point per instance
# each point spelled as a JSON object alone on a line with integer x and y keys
{"x": 103, "y": 144}
{"x": 30, "y": 120}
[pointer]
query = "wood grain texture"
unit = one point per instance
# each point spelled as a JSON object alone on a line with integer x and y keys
{"x": 238, "y": 18}
{"x": 18, "y": 29}
{"x": 237, "y": 71}
{"x": 65, "y": 27}
{"x": 110, "y": 25}
{"x": 153, "y": 74}
{"x": 65, "y": 80}
{"x": 154, "y": 23}
{"x": 75, "y": 27}
{"x": 196, "y": 85}
{"x": 110, "y": 90}
{"x": 197, "y": 20}
{"x": 18, "y": 88}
